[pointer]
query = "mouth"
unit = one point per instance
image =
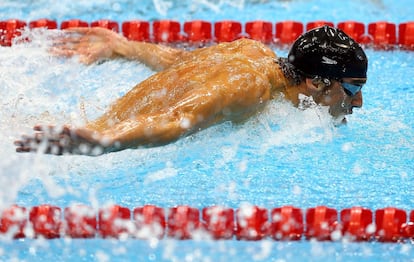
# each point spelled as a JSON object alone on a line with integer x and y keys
{"x": 348, "y": 111}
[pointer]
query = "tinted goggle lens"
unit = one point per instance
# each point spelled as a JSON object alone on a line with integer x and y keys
{"x": 351, "y": 89}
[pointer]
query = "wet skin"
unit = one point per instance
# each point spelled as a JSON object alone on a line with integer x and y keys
{"x": 192, "y": 90}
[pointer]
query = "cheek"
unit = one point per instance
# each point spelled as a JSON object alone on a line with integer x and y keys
{"x": 327, "y": 100}
{"x": 335, "y": 98}
{"x": 331, "y": 99}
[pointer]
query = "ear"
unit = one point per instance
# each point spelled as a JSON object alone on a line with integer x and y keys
{"x": 314, "y": 86}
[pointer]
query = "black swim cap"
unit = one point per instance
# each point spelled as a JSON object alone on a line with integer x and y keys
{"x": 328, "y": 52}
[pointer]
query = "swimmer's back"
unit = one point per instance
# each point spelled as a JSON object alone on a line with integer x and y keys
{"x": 197, "y": 72}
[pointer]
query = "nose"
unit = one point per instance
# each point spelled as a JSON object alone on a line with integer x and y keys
{"x": 357, "y": 100}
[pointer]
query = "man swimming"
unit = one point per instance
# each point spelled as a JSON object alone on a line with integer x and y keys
{"x": 193, "y": 90}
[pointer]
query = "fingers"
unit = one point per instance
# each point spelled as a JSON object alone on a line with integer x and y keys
{"x": 22, "y": 146}
{"x": 34, "y": 144}
{"x": 72, "y": 34}
{"x": 64, "y": 50}
{"x": 88, "y": 30}
{"x": 88, "y": 51}
{"x": 23, "y": 150}
{"x": 46, "y": 139}
{"x": 90, "y": 44}
{"x": 68, "y": 39}
{"x": 78, "y": 32}
{"x": 51, "y": 130}
{"x": 61, "y": 52}
{"x": 71, "y": 44}
{"x": 53, "y": 133}
{"x": 93, "y": 31}
{"x": 43, "y": 128}
{"x": 86, "y": 59}
{"x": 64, "y": 140}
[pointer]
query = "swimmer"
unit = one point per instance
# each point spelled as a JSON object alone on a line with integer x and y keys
{"x": 193, "y": 90}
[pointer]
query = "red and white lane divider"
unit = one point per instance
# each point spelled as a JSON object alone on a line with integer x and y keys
{"x": 248, "y": 222}
{"x": 380, "y": 35}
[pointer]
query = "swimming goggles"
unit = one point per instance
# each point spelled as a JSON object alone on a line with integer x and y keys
{"x": 350, "y": 88}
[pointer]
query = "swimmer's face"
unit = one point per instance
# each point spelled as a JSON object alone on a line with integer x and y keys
{"x": 340, "y": 101}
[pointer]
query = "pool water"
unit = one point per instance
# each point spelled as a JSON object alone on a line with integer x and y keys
{"x": 282, "y": 156}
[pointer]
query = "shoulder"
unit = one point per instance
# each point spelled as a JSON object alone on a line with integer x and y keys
{"x": 247, "y": 47}
{"x": 250, "y": 47}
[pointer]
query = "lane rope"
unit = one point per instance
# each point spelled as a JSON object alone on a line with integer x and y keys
{"x": 248, "y": 222}
{"x": 381, "y": 35}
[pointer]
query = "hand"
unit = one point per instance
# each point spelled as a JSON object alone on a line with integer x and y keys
{"x": 91, "y": 44}
{"x": 50, "y": 140}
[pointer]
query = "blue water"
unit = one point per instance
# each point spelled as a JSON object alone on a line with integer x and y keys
{"x": 282, "y": 156}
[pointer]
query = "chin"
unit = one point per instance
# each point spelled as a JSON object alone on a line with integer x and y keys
{"x": 340, "y": 120}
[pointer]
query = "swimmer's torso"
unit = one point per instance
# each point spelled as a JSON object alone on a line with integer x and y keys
{"x": 240, "y": 74}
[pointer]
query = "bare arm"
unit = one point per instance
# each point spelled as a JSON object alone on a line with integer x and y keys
{"x": 144, "y": 130}
{"x": 94, "y": 44}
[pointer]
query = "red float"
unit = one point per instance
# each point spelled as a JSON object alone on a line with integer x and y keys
{"x": 227, "y": 31}
{"x": 105, "y": 23}
{"x": 389, "y": 223}
{"x": 355, "y": 30}
{"x": 43, "y": 23}
{"x": 114, "y": 221}
{"x": 80, "y": 221}
{"x": 13, "y": 220}
{"x": 136, "y": 30}
{"x": 73, "y": 23}
{"x": 46, "y": 221}
{"x": 288, "y": 31}
{"x": 286, "y": 223}
{"x": 357, "y": 224}
{"x": 315, "y": 24}
{"x": 9, "y": 30}
{"x": 198, "y": 31}
{"x": 321, "y": 223}
{"x": 149, "y": 221}
{"x": 408, "y": 228}
{"x": 251, "y": 222}
{"x": 219, "y": 221}
{"x": 166, "y": 31}
{"x": 260, "y": 31}
{"x": 406, "y": 35}
{"x": 183, "y": 221}
{"x": 383, "y": 34}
